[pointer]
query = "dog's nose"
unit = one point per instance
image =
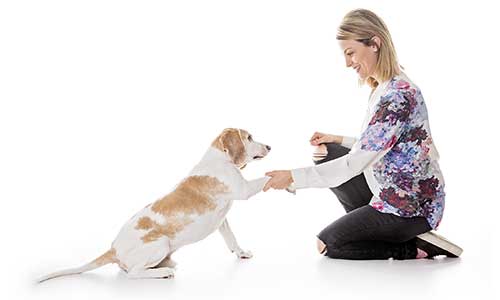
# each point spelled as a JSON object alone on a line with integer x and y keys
{"x": 268, "y": 148}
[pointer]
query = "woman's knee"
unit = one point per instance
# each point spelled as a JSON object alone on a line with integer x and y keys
{"x": 329, "y": 151}
{"x": 320, "y": 153}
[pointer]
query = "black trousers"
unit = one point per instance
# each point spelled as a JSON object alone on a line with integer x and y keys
{"x": 363, "y": 232}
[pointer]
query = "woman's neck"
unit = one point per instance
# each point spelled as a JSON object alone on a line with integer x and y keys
{"x": 379, "y": 80}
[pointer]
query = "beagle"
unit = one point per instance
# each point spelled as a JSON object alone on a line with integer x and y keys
{"x": 193, "y": 210}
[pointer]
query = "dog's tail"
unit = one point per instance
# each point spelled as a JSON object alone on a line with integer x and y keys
{"x": 107, "y": 258}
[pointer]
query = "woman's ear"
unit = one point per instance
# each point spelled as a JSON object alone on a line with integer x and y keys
{"x": 375, "y": 43}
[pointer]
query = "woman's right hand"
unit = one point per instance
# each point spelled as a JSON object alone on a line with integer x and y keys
{"x": 319, "y": 138}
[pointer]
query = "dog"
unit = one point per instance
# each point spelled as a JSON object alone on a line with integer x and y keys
{"x": 193, "y": 210}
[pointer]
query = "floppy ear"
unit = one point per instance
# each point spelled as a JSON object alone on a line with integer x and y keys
{"x": 233, "y": 145}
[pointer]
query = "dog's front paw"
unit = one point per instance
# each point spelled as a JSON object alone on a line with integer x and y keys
{"x": 241, "y": 254}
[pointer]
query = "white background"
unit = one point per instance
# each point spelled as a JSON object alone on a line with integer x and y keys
{"x": 106, "y": 105}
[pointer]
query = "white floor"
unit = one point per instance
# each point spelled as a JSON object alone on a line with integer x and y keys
{"x": 279, "y": 229}
{"x": 104, "y": 105}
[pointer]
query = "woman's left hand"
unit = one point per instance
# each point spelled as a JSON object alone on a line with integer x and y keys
{"x": 279, "y": 180}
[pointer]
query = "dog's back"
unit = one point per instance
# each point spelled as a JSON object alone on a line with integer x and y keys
{"x": 186, "y": 215}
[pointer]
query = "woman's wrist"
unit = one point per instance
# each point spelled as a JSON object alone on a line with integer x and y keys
{"x": 337, "y": 139}
{"x": 290, "y": 176}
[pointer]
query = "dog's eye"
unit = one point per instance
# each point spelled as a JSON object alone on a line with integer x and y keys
{"x": 250, "y": 138}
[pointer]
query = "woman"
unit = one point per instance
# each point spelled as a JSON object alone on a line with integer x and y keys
{"x": 388, "y": 180}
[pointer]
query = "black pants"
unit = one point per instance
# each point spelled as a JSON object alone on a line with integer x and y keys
{"x": 365, "y": 233}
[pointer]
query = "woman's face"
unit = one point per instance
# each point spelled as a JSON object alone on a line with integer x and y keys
{"x": 362, "y": 58}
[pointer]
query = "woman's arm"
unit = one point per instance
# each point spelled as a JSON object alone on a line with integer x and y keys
{"x": 348, "y": 141}
{"x": 384, "y": 129}
{"x": 319, "y": 138}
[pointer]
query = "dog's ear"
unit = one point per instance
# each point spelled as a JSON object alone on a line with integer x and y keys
{"x": 231, "y": 142}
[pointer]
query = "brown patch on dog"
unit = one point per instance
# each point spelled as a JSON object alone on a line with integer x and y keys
{"x": 231, "y": 141}
{"x": 108, "y": 257}
{"x": 217, "y": 143}
{"x": 194, "y": 195}
{"x": 144, "y": 223}
{"x": 170, "y": 229}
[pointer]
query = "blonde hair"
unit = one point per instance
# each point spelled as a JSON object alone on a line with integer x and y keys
{"x": 362, "y": 25}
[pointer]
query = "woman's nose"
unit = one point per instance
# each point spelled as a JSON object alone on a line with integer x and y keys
{"x": 348, "y": 62}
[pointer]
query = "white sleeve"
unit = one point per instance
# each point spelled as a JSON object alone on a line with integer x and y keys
{"x": 348, "y": 141}
{"x": 383, "y": 131}
{"x": 335, "y": 172}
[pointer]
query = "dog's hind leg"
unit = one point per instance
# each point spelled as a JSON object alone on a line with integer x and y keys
{"x": 138, "y": 273}
{"x": 142, "y": 261}
{"x": 167, "y": 262}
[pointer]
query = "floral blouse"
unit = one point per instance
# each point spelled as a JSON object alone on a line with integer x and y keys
{"x": 395, "y": 152}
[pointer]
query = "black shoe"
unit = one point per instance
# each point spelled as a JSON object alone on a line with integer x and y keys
{"x": 435, "y": 245}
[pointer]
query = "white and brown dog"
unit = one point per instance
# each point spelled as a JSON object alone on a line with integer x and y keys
{"x": 193, "y": 210}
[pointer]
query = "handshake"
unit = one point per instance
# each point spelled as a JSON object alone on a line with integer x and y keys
{"x": 283, "y": 179}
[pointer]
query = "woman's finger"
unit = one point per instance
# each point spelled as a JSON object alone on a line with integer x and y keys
{"x": 322, "y": 140}
{"x": 271, "y": 173}
{"x": 267, "y": 186}
{"x": 315, "y": 136}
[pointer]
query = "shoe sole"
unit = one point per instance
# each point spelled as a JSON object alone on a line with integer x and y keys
{"x": 317, "y": 157}
{"x": 441, "y": 242}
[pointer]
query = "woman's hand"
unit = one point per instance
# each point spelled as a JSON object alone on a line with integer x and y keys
{"x": 322, "y": 138}
{"x": 279, "y": 180}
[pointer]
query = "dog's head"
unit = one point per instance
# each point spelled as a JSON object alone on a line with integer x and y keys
{"x": 240, "y": 146}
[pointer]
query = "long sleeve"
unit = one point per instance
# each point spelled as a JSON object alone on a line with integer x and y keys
{"x": 384, "y": 129}
{"x": 348, "y": 141}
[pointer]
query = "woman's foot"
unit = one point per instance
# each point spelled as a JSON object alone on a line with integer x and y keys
{"x": 421, "y": 254}
{"x": 434, "y": 245}
{"x": 321, "y": 246}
